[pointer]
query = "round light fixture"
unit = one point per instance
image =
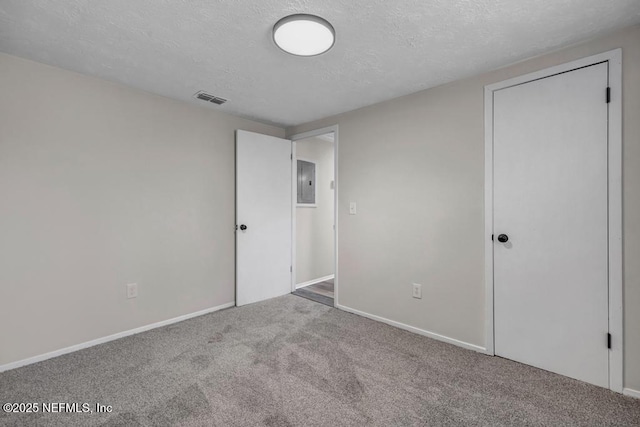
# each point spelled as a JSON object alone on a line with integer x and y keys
{"x": 304, "y": 35}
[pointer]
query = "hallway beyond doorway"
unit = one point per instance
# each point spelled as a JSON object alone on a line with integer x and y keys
{"x": 319, "y": 292}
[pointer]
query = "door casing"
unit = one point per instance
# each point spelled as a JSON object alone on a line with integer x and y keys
{"x": 614, "y": 59}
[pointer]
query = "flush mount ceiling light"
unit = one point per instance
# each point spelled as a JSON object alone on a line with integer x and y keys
{"x": 304, "y": 35}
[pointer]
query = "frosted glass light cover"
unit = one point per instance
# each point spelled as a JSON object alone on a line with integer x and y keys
{"x": 303, "y": 35}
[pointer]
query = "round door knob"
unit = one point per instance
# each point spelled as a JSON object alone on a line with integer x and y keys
{"x": 503, "y": 238}
{"x": 244, "y": 227}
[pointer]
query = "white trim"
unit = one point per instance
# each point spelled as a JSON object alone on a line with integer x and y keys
{"x": 297, "y": 137}
{"x": 415, "y": 330}
{"x": 631, "y": 392}
{"x": 488, "y": 219}
{"x": 294, "y": 213}
{"x": 81, "y": 346}
{"x": 616, "y": 299}
{"x": 612, "y": 55}
{"x": 614, "y": 59}
{"x": 314, "y": 281}
{"x": 316, "y": 132}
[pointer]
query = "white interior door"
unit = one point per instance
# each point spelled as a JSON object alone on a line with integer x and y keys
{"x": 550, "y": 199}
{"x": 263, "y": 217}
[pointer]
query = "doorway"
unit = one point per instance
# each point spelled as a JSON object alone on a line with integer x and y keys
{"x": 314, "y": 219}
{"x": 266, "y": 211}
{"x": 553, "y": 220}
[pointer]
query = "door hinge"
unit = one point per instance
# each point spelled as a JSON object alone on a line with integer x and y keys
{"x": 492, "y": 237}
{"x": 291, "y": 156}
{"x": 608, "y": 95}
{"x": 609, "y": 341}
{"x": 291, "y": 268}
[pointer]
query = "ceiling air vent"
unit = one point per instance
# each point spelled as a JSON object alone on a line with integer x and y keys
{"x": 210, "y": 98}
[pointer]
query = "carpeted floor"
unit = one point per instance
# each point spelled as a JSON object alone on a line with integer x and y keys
{"x": 292, "y": 362}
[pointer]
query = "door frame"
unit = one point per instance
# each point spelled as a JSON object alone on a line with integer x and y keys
{"x": 294, "y": 198}
{"x": 614, "y": 59}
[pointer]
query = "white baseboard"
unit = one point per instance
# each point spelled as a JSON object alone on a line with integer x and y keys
{"x": 56, "y": 353}
{"x": 314, "y": 281}
{"x": 414, "y": 329}
{"x": 631, "y": 392}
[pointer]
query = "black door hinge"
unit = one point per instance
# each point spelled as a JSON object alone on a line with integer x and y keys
{"x": 609, "y": 341}
{"x": 608, "y": 95}
{"x": 492, "y": 237}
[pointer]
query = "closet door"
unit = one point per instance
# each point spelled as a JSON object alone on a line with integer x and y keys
{"x": 550, "y": 223}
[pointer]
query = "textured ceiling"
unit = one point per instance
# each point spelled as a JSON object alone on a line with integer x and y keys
{"x": 384, "y": 48}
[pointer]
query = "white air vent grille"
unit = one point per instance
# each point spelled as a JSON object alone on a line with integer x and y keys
{"x": 210, "y": 98}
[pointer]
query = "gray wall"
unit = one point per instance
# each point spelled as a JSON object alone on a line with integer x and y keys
{"x": 314, "y": 225}
{"x": 415, "y": 166}
{"x": 102, "y": 185}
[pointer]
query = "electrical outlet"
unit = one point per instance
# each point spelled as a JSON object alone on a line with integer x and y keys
{"x": 417, "y": 291}
{"x": 132, "y": 290}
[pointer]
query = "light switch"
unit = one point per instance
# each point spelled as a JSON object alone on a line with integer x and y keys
{"x": 352, "y": 208}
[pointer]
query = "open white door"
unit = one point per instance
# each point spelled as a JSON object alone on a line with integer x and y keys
{"x": 263, "y": 217}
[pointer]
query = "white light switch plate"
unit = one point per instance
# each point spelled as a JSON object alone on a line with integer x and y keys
{"x": 417, "y": 291}
{"x": 352, "y": 208}
{"x": 132, "y": 290}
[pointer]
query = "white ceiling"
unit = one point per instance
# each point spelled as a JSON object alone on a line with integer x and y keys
{"x": 384, "y": 48}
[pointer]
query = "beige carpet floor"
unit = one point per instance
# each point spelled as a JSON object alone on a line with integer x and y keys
{"x": 292, "y": 362}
